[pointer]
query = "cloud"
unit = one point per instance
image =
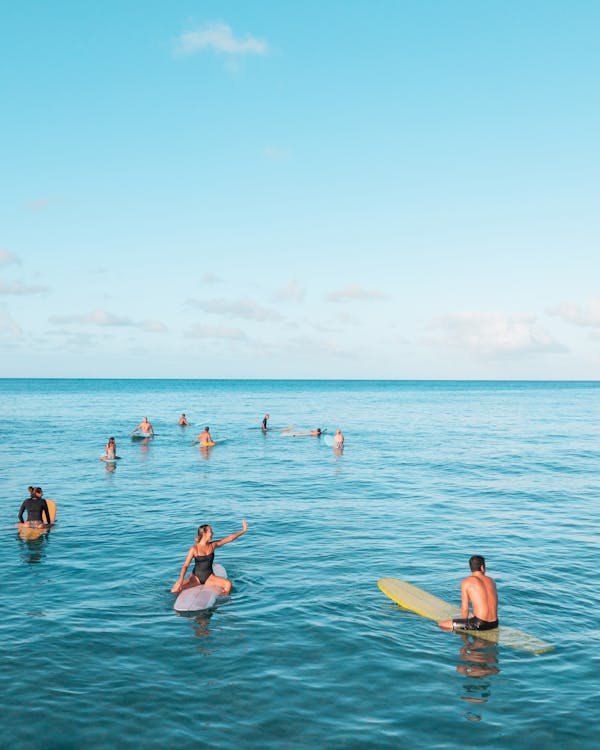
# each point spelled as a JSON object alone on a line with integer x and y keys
{"x": 273, "y": 153}
{"x": 570, "y": 312}
{"x": 19, "y": 289}
{"x": 199, "y": 331}
{"x": 8, "y": 327}
{"x": 6, "y": 258}
{"x": 153, "y": 326}
{"x": 105, "y": 319}
{"x": 100, "y": 318}
{"x": 219, "y": 37}
{"x": 494, "y": 334}
{"x": 38, "y": 204}
{"x": 244, "y": 308}
{"x": 293, "y": 292}
{"x": 354, "y": 292}
{"x": 210, "y": 278}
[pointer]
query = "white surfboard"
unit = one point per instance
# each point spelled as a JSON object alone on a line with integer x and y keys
{"x": 425, "y": 604}
{"x": 200, "y": 597}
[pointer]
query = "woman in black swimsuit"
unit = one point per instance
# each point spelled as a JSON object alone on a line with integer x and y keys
{"x": 203, "y": 553}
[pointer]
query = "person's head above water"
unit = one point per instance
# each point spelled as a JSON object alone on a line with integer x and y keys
{"x": 476, "y": 562}
{"x": 207, "y": 428}
{"x": 203, "y": 529}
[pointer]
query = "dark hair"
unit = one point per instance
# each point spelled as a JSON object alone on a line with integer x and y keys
{"x": 207, "y": 427}
{"x": 38, "y": 491}
{"x": 476, "y": 562}
{"x": 202, "y": 529}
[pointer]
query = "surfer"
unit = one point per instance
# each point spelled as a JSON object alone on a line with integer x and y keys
{"x": 145, "y": 427}
{"x": 110, "y": 452}
{"x": 264, "y": 427}
{"x": 338, "y": 440}
{"x": 36, "y": 508}
{"x": 183, "y": 421}
{"x": 204, "y": 437}
{"x": 479, "y": 591}
{"x": 203, "y": 553}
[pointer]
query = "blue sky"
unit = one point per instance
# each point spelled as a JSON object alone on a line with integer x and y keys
{"x": 303, "y": 189}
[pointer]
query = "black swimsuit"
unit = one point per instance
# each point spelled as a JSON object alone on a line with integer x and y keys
{"x": 35, "y": 507}
{"x": 203, "y": 566}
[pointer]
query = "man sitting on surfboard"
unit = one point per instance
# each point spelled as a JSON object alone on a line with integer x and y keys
{"x": 479, "y": 591}
{"x": 145, "y": 427}
{"x": 36, "y": 508}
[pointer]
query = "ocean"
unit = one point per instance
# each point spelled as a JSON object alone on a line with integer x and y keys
{"x": 306, "y": 652}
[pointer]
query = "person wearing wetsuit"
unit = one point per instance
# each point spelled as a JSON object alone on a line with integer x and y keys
{"x": 479, "y": 592}
{"x": 36, "y": 508}
{"x": 264, "y": 427}
{"x": 203, "y": 554}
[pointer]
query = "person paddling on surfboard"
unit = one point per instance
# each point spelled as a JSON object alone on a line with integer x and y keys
{"x": 36, "y": 508}
{"x": 479, "y": 591}
{"x": 203, "y": 553}
{"x": 145, "y": 427}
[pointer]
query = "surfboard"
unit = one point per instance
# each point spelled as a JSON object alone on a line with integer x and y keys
{"x": 110, "y": 460}
{"x": 200, "y": 597}
{"x": 140, "y": 436}
{"x": 425, "y": 604}
{"x": 29, "y": 533}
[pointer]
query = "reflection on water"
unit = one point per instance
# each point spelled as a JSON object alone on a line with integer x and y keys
{"x": 33, "y": 550}
{"x": 478, "y": 661}
{"x": 111, "y": 466}
{"x": 201, "y": 621}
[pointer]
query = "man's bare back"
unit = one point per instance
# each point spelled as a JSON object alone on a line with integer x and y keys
{"x": 478, "y": 592}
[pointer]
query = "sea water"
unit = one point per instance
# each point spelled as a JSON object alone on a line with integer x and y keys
{"x": 306, "y": 652}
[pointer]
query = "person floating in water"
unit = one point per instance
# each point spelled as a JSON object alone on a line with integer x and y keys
{"x": 310, "y": 433}
{"x": 479, "y": 591}
{"x": 110, "y": 452}
{"x": 145, "y": 427}
{"x": 338, "y": 440}
{"x": 203, "y": 553}
{"x": 183, "y": 421}
{"x": 204, "y": 438}
{"x": 36, "y": 508}
{"x": 264, "y": 427}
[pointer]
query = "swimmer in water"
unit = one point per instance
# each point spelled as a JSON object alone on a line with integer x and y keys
{"x": 110, "y": 452}
{"x": 338, "y": 440}
{"x": 204, "y": 437}
{"x": 146, "y": 428}
{"x": 183, "y": 421}
{"x": 203, "y": 553}
{"x": 36, "y": 508}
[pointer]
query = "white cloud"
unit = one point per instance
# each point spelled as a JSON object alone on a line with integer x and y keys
{"x": 292, "y": 292}
{"x": 210, "y": 278}
{"x": 219, "y": 37}
{"x": 100, "y": 318}
{"x": 6, "y": 258}
{"x": 19, "y": 289}
{"x": 354, "y": 292}
{"x": 153, "y": 326}
{"x": 105, "y": 319}
{"x": 245, "y": 308}
{"x": 494, "y": 334}
{"x": 38, "y": 204}
{"x": 588, "y": 316}
{"x": 8, "y": 327}
{"x": 200, "y": 331}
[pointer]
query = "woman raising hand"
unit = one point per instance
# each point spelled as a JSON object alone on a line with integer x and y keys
{"x": 203, "y": 554}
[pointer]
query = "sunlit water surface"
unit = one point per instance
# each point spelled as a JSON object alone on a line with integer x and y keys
{"x": 307, "y": 652}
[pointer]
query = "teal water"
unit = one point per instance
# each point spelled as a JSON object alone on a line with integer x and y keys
{"x": 307, "y": 652}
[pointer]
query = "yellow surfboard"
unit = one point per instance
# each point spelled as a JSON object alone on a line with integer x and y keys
{"x": 425, "y": 604}
{"x": 29, "y": 533}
